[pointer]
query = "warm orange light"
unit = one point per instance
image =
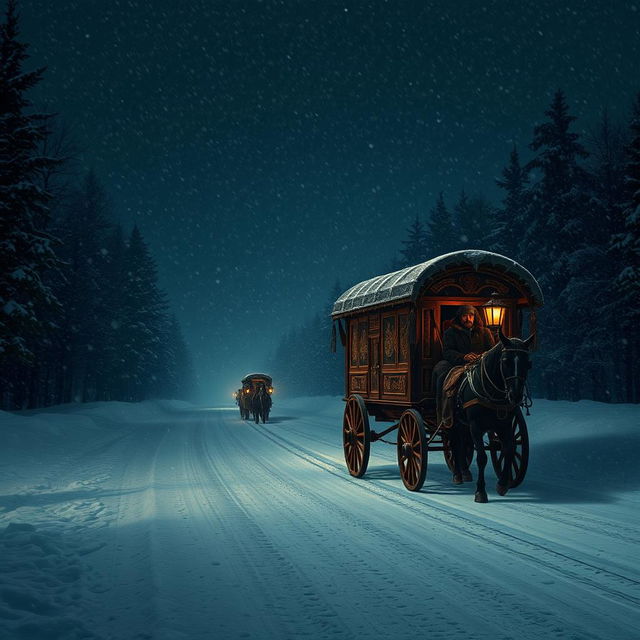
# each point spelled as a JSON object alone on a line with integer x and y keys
{"x": 494, "y": 311}
{"x": 270, "y": 389}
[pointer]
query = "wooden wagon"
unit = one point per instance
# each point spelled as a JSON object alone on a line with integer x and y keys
{"x": 391, "y": 327}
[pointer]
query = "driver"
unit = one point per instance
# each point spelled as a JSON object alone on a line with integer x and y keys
{"x": 463, "y": 342}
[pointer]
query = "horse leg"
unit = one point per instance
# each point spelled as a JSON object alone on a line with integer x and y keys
{"x": 481, "y": 456}
{"x": 465, "y": 443}
{"x": 456, "y": 452}
{"x": 508, "y": 447}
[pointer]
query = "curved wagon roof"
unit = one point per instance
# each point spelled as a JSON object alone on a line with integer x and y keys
{"x": 256, "y": 376}
{"x": 407, "y": 283}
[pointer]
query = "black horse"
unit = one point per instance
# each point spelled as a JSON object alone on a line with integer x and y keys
{"x": 490, "y": 393}
{"x": 261, "y": 404}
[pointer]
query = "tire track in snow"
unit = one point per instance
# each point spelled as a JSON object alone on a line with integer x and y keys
{"x": 259, "y": 553}
{"x": 379, "y": 553}
{"x": 587, "y": 573}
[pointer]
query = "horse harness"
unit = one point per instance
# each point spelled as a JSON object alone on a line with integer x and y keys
{"x": 485, "y": 399}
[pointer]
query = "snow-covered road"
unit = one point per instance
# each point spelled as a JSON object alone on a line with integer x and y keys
{"x": 166, "y": 521}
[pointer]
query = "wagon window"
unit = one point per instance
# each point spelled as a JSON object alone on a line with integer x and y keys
{"x": 389, "y": 340}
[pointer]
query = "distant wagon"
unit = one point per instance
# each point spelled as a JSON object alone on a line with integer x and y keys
{"x": 392, "y": 327}
{"x": 255, "y": 396}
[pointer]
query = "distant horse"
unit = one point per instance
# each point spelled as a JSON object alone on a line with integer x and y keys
{"x": 261, "y": 404}
{"x": 489, "y": 396}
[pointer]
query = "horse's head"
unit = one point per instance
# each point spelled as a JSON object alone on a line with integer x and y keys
{"x": 514, "y": 365}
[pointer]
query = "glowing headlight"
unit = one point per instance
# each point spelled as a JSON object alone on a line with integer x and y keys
{"x": 270, "y": 389}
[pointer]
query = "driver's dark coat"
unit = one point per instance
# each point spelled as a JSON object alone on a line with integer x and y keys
{"x": 458, "y": 341}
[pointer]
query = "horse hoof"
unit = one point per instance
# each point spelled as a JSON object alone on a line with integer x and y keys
{"x": 502, "y": 491}
{"x": 457, "y": 478}
{"x": 481, "y": 497}
{"x": 466, "y": 476}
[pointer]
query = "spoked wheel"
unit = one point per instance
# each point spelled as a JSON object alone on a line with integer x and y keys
{"x": 412, "y": 450}
{"x": 521, "y": 453}
{"x": 356, "y": 436}
{"x": 448, "y": 452}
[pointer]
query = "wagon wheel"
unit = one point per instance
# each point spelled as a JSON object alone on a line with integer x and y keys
{"x": 356, "y": 436}
{"x": 521, "y": 454}
{"x": 412, "y": 450}
{"x": 448, "y": 453}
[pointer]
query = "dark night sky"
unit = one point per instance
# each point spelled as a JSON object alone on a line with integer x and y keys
{"x": 267, "y": 148}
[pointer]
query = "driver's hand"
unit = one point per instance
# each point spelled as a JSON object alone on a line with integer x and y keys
{"x": 471, "y": 357}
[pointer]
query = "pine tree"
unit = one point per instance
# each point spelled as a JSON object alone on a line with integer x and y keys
{"x": 26, "y": 249}
{"x": 626, "y": 249}
{"x": 85, "y": 326}
{"x": 463, "y": 223}
{"x": 509, "y": 222}
{"x": 560, "y": 227}
{"x": 474, "y": 220}
{"x": 440, "y": 234}
{"x": 180, "y": 379}
{"x": 111, "y": 383}
{"x": 414, "y": 250}
{"x": 144, "y": 322}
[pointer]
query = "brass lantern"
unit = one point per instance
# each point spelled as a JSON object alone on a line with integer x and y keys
{"x": 494, "y": 311}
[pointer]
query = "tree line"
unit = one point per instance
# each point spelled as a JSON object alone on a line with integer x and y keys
{"x": 571, "y": 216}
{"x": 82, "y": 317}
{"x": 304, "y": 364}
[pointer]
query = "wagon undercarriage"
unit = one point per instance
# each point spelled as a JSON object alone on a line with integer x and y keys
{"x": 416, "y": 438}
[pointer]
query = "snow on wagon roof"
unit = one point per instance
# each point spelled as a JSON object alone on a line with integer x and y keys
{"x": 253, "y": 376}
{"x": 407, "y": 283}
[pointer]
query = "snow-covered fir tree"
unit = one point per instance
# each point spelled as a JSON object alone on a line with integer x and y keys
{"x": 509, "y": 222}
{"x": 559, "y": 228}
{"x": 144, "y": 322}
{"x": 626, "y": 248}
{"x": 26, "y": 248}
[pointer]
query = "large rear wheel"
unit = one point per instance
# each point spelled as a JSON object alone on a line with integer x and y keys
{"x": 412, "y": 450}
{"x": 356, "y": 436}
{"x": 521, "y": 453}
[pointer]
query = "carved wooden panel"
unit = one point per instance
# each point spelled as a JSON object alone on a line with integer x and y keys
{"x": 469, "y": 284}
{"x": 359, "y": 384}
{"x": 395, "y": 384}
{"x": 355, "y": 344}
{"x": 389, "y": 340}
{"x": 374, "y": 324}
{"x": 363, "y": 343}
{"x": 403, "y": 338}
